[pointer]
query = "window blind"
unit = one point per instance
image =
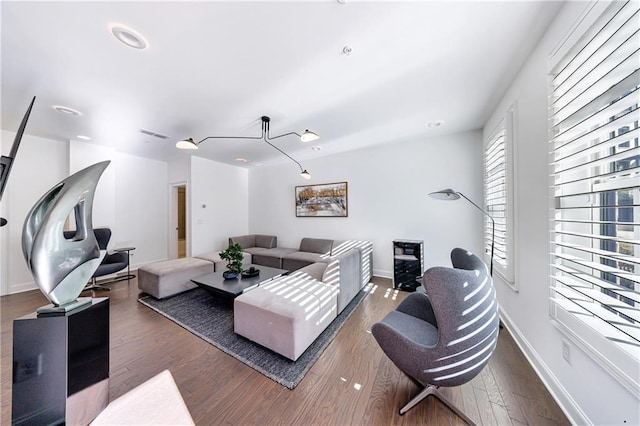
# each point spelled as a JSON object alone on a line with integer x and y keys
{"x": 496, "y": 185}
{"x": 595, "y": 181}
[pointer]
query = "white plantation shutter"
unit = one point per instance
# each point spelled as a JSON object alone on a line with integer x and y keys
{"x": 498, "y": 196}
{"x": 595, "y": 181}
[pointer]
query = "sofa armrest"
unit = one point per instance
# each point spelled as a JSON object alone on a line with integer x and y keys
{"x": 347, "y": 273}
{"x": 316, "y": 245}
{"x": 315, "y": 271}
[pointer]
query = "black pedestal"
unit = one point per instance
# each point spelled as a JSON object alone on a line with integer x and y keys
{"x": 61, "y": 366}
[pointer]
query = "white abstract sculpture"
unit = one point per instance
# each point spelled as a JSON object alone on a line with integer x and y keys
{"x": 61, "y": 268}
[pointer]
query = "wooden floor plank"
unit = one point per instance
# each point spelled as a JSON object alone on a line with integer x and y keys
{"x": 219, "y": 390}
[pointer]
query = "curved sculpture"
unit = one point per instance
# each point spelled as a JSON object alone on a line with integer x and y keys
{"x": 60, "y": 267}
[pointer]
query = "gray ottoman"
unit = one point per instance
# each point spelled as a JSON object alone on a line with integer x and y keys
{"x": 287, "y": 314}
{"x": 169, "y": 277}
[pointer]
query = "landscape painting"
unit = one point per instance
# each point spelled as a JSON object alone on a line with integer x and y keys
{"x": 325, "y": 200}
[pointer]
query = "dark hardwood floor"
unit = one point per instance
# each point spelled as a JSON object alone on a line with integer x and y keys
{"x": 353, "y": 382}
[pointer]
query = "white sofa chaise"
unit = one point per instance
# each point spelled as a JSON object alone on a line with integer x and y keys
{"x": 287, "y": 314}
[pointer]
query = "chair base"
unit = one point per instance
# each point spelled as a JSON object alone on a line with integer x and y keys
{"x": 433, "y": 390}
{"x": 99, "y": 285}
{"x": 95, "y": 286}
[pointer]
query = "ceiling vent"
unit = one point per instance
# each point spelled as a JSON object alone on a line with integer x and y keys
{"x": 150, "y": 133}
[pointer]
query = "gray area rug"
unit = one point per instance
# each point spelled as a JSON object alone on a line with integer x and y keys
{"x": 211, "y": 319}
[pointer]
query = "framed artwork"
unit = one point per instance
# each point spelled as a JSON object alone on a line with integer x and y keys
{"x": 324, "y": 200}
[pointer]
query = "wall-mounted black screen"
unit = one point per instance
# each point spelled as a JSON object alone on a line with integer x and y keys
{"x": 7, "y": 161}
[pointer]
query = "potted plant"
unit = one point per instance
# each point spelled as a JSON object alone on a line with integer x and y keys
{"x": 233, "y": 255}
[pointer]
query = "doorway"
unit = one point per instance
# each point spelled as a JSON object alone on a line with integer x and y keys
{"x": 182, "y": 221}
{"x": 178, "y": 221}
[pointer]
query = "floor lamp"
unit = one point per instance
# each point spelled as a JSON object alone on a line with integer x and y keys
{"x": 450, "y": 195}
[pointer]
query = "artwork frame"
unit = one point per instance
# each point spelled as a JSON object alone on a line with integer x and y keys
{"x": 322, "y": 200}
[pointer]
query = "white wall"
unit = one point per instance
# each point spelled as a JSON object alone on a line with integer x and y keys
{"x": 387, "y": 200}
{"x": 40, "y": 164}
{"x": 141, "y": 208}
{"x": 218, "y": 205}
{"x": 179, "y": 169}
{"x": 82, "y": 155}
{"x": 587, "y": 392}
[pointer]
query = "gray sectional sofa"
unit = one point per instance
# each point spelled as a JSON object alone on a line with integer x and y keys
{"x": 288, "y": 313}
{"x": 265, "y": 251}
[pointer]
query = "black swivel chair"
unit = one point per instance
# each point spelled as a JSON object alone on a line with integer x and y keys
{"x": 111, "y": 263}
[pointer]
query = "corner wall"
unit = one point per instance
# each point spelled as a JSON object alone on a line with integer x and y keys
{"x": 387, "y": 197}
{"x": 39, "y": 164}
{"x": 218, "y": 205}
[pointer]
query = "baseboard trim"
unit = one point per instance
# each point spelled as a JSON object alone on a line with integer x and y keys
{"x": 567, "y": 404}
{"x": 382, "y": 273}
{"x": 22, "y": 287}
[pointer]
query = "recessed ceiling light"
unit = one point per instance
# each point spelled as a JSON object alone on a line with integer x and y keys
{"x": 433, "y": 124}
{"x": 342, "y": 1}
{"x": 66, "y": 110}
{"x": 241, "y": 160}
{"x": 316, "y": 148}
{"x": 83, "y": 137}
{"x": 129, "y": 37}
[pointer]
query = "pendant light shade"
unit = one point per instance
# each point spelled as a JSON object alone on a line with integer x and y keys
{"x": 309, "y": 136}
{"x": 305, "y": 174}
{"x": 186, "y": 144}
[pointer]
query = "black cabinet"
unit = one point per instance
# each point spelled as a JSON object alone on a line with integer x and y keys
{"x": 61, "y": 366}
{"x": 408, "y": 264}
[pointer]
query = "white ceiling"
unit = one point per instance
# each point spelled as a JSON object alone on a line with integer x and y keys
{"x": 214, "y": 68}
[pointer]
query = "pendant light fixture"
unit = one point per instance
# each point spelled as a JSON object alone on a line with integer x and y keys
{"x": 307, "y": 136}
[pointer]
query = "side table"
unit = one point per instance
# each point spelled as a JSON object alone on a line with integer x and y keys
{"x": 129, "y": 274}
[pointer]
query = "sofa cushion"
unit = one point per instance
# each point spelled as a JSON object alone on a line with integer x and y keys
{"x": 300, "y": 259}
{"x": 316, "y": 245}
{"x": 266, "y": 241}
{"x": 366, "y": 256}
{"x": 272, "y": 257}
{"x": 245, "y": 241}
{"x": 256, "y": 250}
{"x": 255, "y": 240}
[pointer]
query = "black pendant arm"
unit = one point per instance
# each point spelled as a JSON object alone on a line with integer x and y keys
{"x": 282, "y": 152}
{"x": 286, "y": 134}
{"x": 229, "y": 137}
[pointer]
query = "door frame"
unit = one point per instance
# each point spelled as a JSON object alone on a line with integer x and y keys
{"x": 173, "y": 219}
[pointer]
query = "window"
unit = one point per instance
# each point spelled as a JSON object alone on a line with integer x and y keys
{"x": 498, "y": 196}
{"x": 595, "y": 181}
